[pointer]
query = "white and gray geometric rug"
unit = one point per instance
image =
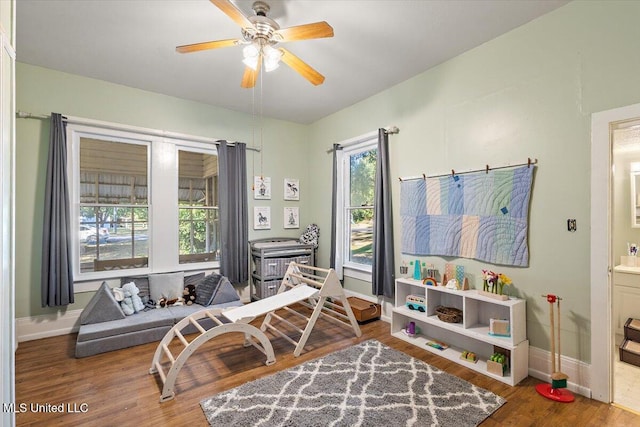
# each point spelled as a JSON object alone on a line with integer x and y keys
{"x": 368, "y": 384}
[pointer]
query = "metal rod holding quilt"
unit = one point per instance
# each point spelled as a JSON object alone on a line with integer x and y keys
{"x": 486, "y": 169}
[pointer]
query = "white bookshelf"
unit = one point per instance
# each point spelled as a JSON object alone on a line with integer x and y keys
{"x": 470, "y": 335}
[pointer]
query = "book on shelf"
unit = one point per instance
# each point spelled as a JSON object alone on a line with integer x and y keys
{"x": 438, "y": 344}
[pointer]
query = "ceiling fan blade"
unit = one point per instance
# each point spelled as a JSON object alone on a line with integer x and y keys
{"x": 316, "y": 30}
{"x": 207, "y": 45}
{"x": 233, "y": 12}
{"x": 250, "y": 75}
{"x": 304, "y": 69}
{"x": 249, "y": 78}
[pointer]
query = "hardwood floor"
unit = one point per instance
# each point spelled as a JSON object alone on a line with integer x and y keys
{"x": 116, "y": 389}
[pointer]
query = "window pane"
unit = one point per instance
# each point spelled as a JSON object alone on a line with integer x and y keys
{"x": 199, "y": 236}
{"x": 112, "y": 172}
{"x": 361, "y": 236}
{"x": 122, "y": 241}
{"x": 113, "y": 223}
{"x": 362, "y": 173}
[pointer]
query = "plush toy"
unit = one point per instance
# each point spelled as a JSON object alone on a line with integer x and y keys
{"x": 128, "y": 297}
{"x": 132, "y": 289}
{"x": 189, "y": 294}
{"x": 165, "y": 302}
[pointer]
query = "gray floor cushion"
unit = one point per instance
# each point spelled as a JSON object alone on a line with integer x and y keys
{"x": 224, "y": 293}
{"x": 136, "y": 322}
{"x": 131, "y": 339}
{"x": 147, "y": 326}
{"x": 102, "y": 307}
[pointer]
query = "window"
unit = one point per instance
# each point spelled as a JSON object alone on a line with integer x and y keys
{"x": 356, "y": 183}
{"x": 140, "y": 202}
{"x": 199, "y": 234}
{"x": 114, "y": 204}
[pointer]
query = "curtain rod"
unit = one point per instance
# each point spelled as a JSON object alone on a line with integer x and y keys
{"x": 390, "y": 130}
{"x": 121, "y": 127}
{"x": 486, "y": 169}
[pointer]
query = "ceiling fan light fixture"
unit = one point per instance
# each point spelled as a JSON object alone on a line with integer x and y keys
{"x": 251, "y": 62}
{"x": 251, "y": 51}
{"x": 250, "y": 54}
{"x": 271, "y": 65}
{"x": 271, "y": 58}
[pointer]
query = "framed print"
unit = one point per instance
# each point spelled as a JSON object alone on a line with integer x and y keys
{"x": 291, "y": 189}
{"x": 261, "y": 218}
{"x": 291, "y": 217}
{"x": 262, "y": 187}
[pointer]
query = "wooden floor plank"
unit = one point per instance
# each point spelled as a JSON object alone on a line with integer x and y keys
{"x": 118, "y": 390}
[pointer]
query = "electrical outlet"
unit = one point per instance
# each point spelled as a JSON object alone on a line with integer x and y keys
{"x": 571, "y": 225}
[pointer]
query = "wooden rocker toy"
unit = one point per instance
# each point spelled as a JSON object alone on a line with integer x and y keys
{"x": 315, "y": 288}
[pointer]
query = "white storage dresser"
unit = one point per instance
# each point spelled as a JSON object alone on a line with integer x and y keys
{"x": 270, "y": 258}
{"x": 472, "y": 334}
{"x": 626, "y": 297}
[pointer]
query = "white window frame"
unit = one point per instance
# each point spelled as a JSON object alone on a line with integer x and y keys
{"x": 344, "y": 267}
{"x": 162, "y": 196}
{"x": 196, "y": 149}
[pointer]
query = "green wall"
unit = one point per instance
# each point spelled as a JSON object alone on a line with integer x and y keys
{"x": 528, "y": 93}
{"x": 41, "y": 91}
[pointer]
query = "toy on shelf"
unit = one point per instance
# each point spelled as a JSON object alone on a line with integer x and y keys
{"x": 498, "y": 363}
{"x": 411, "y": 329}
{"x": 439, "y": 345}
{"x": 449, "y": 314}
{"x": 499, "y": 328}
{"x": 417, "y": 269}
{"x": 416, "y": 302}
{"x": 432, "y": 272}
{"x": 429, "y": 281}
{"x": 469, "y": 356}
{"x": 557, "y": 389}
{"x": 404, "y": 269}
{"x": 497, "y": 282}
{"x": 453, "y": 277}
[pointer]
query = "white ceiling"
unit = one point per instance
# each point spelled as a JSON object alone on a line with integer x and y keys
{"x": 377, "y": 44}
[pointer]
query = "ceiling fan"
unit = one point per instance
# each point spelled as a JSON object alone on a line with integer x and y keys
{"x": 259, "y": 36}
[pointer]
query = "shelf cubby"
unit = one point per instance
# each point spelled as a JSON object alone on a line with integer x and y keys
{"x": 472, "y": 334}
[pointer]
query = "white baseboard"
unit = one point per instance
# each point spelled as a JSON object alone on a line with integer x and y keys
{"x": 539, "y": 360}
{"x": 47, "y": 325}
{"x": 578, "y": 372}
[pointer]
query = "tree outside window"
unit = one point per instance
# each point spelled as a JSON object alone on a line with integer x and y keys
{"x": 198, "y": 217}
{"x": 362, "y": 170}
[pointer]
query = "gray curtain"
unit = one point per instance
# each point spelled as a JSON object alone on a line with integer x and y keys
{"x": 234, "y": 228}
{"x": 57, "y": 273}
{"x": 334, "y": 206}
{"x": 383, "y": 266}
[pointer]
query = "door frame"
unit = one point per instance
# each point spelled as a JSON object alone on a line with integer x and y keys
{"x": 601, "y": 377}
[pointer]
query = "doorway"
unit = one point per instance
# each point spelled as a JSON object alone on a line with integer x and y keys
{"x": 605, "y": 253}
{"x": 625, "y": 237}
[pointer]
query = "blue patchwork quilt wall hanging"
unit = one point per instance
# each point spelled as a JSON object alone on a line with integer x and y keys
{"x": 479, "y": 215}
